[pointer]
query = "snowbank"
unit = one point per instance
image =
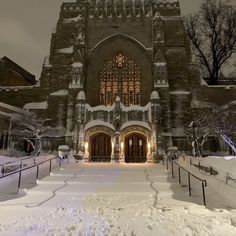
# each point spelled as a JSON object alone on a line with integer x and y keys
{"x": 36, "y": 106}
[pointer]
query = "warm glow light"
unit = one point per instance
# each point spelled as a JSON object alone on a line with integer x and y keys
{"x": 120, "y": 76}
{"x": 122, "y": 146}
{"x": 86, "y": 146}
{"x": 149, "y": 147}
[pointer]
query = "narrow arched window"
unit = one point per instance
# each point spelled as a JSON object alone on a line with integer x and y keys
{"x": 120, "y": 76}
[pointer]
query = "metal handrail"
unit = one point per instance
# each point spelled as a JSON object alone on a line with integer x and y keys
{"x": 26, "y": 168}
{"x": 192, "y": 174}
{"x": 20, "y": 159}
{"x": 30, "y": 167}
{"x": 204, "y": 182}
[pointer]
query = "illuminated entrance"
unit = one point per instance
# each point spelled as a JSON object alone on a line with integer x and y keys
{"x": 100, "y": 148}
{"x": 135, "y": 148}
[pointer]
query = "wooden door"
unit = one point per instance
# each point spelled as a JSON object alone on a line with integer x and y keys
{"x": 135, "y": 148}
{"x": 100, "y": 148}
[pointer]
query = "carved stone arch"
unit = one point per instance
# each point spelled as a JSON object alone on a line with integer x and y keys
{"x": 107, "y": 48}
{"x": 119, "y": 35}
{"x": 99, "y": 139}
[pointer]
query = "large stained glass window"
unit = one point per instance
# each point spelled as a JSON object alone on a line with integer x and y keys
{"x": 120, "y": 76}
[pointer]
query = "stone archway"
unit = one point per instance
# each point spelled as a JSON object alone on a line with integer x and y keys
{"x": 135, "y": 148}
{"x": 106, "y": 69}
{"x": 100, "y": 148}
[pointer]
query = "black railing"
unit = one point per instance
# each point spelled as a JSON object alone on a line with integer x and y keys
{"x": 203, "y": 181}
{"x": 7, "y": 166}
{"x": 22, "y": 169}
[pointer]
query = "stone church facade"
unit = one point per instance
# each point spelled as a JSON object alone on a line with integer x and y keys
{"x": 119, "y": 79}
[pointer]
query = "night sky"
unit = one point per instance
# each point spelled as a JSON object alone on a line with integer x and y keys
{"x": 26, "y": 27}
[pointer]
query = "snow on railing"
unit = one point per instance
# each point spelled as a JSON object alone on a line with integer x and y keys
{"x": 22, "y": 168}
{"x": 203, "y": 181}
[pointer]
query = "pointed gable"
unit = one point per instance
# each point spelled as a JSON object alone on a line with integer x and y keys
{"x": 11, "y": 74}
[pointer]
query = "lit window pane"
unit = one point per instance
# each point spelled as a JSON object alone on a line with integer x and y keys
{"x": 120, "y": 76}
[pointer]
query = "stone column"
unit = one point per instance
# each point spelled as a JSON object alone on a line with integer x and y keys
{"x": 80, "y": 121}
{"x": 69, "y": 120}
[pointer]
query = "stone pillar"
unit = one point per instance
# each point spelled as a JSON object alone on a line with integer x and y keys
{"x": 80, "y": 121}
{"x": 155, "y": 119}
{"x": 69, "y": 120}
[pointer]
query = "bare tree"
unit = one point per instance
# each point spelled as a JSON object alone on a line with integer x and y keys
{"x": 215, "y": 121}
{"x": 212, "y": 31}
{"x": 198, "y": 130}
{"x": 225, "y": 127}
{"x": 32, "y": 129}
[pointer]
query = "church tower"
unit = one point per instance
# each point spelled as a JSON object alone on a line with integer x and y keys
{"x": 117, "y": 78}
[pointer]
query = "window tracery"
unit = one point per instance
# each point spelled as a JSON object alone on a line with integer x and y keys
{"x": 120, "y": 76}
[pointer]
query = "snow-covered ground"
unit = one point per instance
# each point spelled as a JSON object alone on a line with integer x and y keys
{"x": 112, "y": 199}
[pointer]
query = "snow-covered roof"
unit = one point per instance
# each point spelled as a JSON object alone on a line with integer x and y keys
{"x": 160, "y": 63}
{"x": 179, "y": 92}
{"x": 117, "y": 99}
{"x": 94, "y": 123}
{"x": 203, "y": 82}
{"x": 155, "y": 95}
{"x": 12, "y": 109}
{"x": 62, "y": 92}
{"x": 137, "y": 123}
{"x": 228, "y": 105}
{"x": 9, "y": 115}
{"x": 69, "y": 20}
{"x": 135, "y": 107}
{"x": 16, "y": 88}
{"x": 202, "y": 104}
{"x": 100, "y": 108}
{"x": 81, "y": 96}
{"x": 65, "y": 50}
{"x": 77, "y": 65}
{"x": 36, "y": 106}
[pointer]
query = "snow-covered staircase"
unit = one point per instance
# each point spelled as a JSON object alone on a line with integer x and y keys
{"x": 110, "y": 185}
{"x": 110, "y": 199}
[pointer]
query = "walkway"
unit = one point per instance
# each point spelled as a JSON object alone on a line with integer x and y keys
{"x": 101, "y": 199}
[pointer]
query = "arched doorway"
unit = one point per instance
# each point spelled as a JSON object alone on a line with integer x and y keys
{"x": 135, "y": 148}
{"x": 100, "y": 148}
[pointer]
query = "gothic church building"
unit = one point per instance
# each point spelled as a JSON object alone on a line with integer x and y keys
{"x": 119, "y": 79}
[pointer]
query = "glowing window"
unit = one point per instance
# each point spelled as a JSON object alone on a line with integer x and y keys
{"x": 121, "y": 77}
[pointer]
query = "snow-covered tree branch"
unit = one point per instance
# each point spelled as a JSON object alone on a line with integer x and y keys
{"x": 218, "y": 122}
{"x": 32, "y": 129}
{"x": 212, "y": 31}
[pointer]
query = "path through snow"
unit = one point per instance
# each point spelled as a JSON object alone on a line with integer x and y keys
{"x": 111, "y": 199}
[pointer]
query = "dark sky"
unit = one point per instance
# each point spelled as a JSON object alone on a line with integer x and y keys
{"x": 26, "y": 27}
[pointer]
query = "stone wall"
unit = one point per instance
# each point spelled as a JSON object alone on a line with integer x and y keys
{"x": 19, "y": 97}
